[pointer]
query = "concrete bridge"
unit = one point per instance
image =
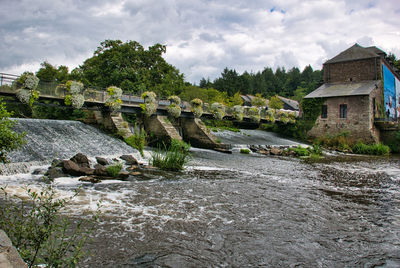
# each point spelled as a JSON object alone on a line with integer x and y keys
{"x": 186, "y": 127}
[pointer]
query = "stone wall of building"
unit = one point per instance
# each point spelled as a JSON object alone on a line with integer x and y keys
{"x": 358, "y": 70}
{"x": 359, "y": 122}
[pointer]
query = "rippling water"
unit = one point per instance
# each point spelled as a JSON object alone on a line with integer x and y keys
{"x": 244, "y": 211}
{"x": 247, "y": 211}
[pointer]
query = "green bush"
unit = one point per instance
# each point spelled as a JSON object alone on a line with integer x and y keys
{"x": 373, "y": 149}
{"x": 113, "y": 170}
{"x": 41, "y": 235}
{"x": 171, "y": 158}
{"x": 137, "y": 140}
{"x": 244, "y": 151}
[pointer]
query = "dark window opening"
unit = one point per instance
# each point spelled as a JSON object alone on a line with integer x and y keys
{"x": 324, "y": 113}
{"x": 343, "y": 110}
{"x": 374, "y": 106}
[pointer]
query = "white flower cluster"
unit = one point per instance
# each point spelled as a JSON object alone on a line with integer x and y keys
{"x": 218, "y": 110}
{"x": 77, "y": 101}
{"x": 30, "y": 81}
{"x": 254, "y": 114}
{"x": 174, "y": 110}
{"x": 175, "y": 99}
{"x": 114, "y": 98}
{"x": 238, "y": 112}
{"x": 23, "y": 95}
{"x": 150, "y": 102}
{"x": 74, "y": 87}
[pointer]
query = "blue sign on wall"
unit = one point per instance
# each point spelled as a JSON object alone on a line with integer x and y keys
{"x": 390, "y": 93}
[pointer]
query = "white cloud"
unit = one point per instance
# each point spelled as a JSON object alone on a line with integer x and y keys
{"x": 202, "y": 37}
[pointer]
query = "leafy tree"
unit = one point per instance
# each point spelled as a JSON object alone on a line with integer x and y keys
{"x": 258, "y": 101}
{"x": 129, "y": 66}
{"x": 236, "y": 99}
{"x": 9, "y": 139}
{"x": 49, "y": 73}
{"x": 275, "y": 103}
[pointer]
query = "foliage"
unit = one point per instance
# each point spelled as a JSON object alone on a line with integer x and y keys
{"x": 258, "y": 101}
{"x": 275, "y": 103}
{"x": 209, "y": 95}
{"x": 50, "y": 73}
{"x": 310, "y": 151}
{"x": 137, "y": 140}
{"x": 235, "y": 100}
{"x": 171, "y": 158}
{"x": 174, "y": 110}
{"x": 131, "y": 67}
{"x": 27, "y": 84}
{"x": 114, "y": 98}
{"x": 113, "y": 170}
{"x": 9, "y": 139}
{"x": 39, "y": 231}
{"x": 150, "y": 103}
{"x": 55, "y": 111}
{"x": 238, "y": 112}
{"x": 74, "y": 96}
{"x": 372, "y": 149}
{"x": 270, "y": 115}
{"x": 174, "y": 99}
{"x": 244, "y": 151}
{"x": 254, "y": 114}
{"x": 197, "y": 107}
{"x": 218, "y": 110}
{"x": 339, "y": 142}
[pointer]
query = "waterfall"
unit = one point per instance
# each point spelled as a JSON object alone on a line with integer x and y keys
{"x": 49, "y": 139}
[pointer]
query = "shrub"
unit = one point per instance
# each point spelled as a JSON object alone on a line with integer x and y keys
{"x": 174, "y": 99}
{"x": 114, "y": 98}
{"x": 174, "y": 110}
{"x": 197, "y": 107}
{"x": 74, "y": 97}
{"x": 254, "y": 114}
{"x": 238, "y": 112}
{"x": 275, "y": 102}
{"x": 258, "y": 101}
{"x": 9, "y": 139}
{"x": 244, "y": 151}
{"x": 39, "y": 232}
{"x": 137, "y": 140}
{"x": 270, "y": 115}
{"x": 27, "y": 84}
{"x": 113, "y": 170}
{"x": 150, "y": 103}
{"x": 218, "y": 110}
{"x": 171, "y": 158}
{"x": 373, "y": 149}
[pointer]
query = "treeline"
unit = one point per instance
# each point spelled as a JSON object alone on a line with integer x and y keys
{"x": 293, "y": 83}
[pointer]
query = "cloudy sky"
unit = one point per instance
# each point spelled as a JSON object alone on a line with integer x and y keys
{"x": 202, "y": 36}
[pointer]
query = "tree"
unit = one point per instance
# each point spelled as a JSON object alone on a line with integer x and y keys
{"x": 9, "y": 139}
{"x": 49, "y": 73}
{"x": 130, "y": 67}
{"x": 236, "y": 99}
{"x": 275, "y": 103}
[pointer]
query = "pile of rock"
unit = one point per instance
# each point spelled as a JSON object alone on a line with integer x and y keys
{"x": 273, "y": 150}
{"x": 79, "y": 166}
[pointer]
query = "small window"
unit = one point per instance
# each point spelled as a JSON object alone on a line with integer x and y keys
{"x": 343, "y": 110}
{"x": 324, "y": 113}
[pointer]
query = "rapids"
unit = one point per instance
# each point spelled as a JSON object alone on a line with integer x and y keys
{"x": 242, "y": 211}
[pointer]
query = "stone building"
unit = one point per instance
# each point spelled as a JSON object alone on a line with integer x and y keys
{"x": 354, "y": 94}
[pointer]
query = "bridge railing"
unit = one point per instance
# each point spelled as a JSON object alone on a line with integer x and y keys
{"x": 7, "y": 79}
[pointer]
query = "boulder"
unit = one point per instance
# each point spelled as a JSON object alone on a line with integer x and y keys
{"x": 265, "y": 152}
{"x": 123, "y": 174}
{"x": 71, "y": 168}
{"x": 54, "y": 172}
{"x": 275, "y": 151}
{"x": 129, "y": 159}
{"x": 100, "y": 170}
{"x": 81, "y": 160}
{"x": 102, "y": 161}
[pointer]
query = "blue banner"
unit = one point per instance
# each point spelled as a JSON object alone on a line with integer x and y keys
{"x": 389, "y": 93}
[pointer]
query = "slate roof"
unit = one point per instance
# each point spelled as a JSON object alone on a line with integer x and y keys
{"x": 356, "y": 52}
{"x": 344, "y": 89}
{"x": 292, "y": 103}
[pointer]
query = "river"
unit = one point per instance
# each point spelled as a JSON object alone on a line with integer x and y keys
{"x": 236, "y": 210}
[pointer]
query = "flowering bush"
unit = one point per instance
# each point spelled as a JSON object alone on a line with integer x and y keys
{"x": 218, "y": 110}
{"x": 197, "y": 107}
{"x": 238, "y": 112}
{"x": 174, "y": 110}
{"x": 174, "y": 99}
{"x": 254, "y": 114}
{"x": 27, "y": 84}
{"x": 75, "y": 97}
{"x": 114, "y": 98}
{"x": 270, "y": 115}
{"x": 150, "y": 103}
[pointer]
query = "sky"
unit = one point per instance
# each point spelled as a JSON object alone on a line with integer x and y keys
{"x": 202, "y": 36}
